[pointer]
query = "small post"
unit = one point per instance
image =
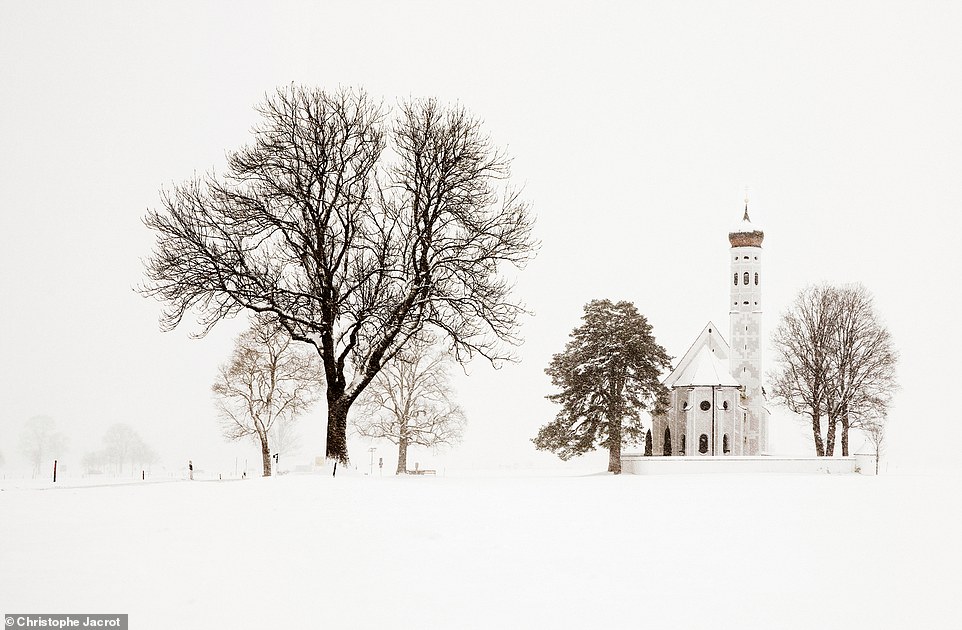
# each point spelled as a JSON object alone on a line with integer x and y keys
{"x": 143, "y": 475}
{"x": 55, "y": 471}
{"x": 335, "y": 469}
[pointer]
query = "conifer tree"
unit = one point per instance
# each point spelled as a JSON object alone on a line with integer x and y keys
{"x": 608, "y": 373}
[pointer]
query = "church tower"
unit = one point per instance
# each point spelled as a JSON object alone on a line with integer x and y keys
{"x": 746, "y": 331}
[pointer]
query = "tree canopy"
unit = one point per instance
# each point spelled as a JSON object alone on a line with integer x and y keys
{"x": 610, "y": 371}
{"x": 357, "y": 228}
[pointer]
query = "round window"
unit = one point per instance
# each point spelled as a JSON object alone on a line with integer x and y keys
{"x": 705, "y": 405}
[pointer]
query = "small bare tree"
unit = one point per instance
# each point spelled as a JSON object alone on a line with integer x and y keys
{"x": 40, "y": 441}
{"x": 267, "y": 382}
{"x": 123, "y": 445}
{"x": 874, "y": 429}
{"x": 409, "y": 403}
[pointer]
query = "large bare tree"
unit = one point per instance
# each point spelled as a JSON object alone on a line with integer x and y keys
{"x": 834, "y": 360}
{"x": 409, "y": 403}
{"x": 352, "y": 248}
{"x": 802, "y": 343}
{"x": 266, "y": 383}
{"x": 862, "y": 362}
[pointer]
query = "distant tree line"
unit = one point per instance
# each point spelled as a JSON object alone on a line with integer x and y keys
{"x": 122, "y": 447}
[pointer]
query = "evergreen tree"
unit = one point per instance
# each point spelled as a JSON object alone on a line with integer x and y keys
{"x": 608, "y": 373}
{"x": 648, "y": 443}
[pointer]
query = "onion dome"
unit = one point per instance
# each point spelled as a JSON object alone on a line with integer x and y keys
{"x": 746, "y": 234}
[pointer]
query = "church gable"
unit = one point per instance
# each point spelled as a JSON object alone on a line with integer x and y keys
{"x": 705, "y": 362}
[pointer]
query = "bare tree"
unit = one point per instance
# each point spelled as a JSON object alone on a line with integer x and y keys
{"x": 122, "y": 445}
{"x": 351, "y": 254}
{"x": 267, "y": 383}
{"x": 874, "y": 429}
{"x": 94, "y": 462}
{"x": 834, "y": 360}
{"x": 410, "y": 403}
{"x": 802, "y": 347}
{"x": 41, "y": 441}
{"x": 862, "y": 362}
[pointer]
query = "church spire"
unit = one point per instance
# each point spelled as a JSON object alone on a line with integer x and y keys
{"x": 745, "y": 218}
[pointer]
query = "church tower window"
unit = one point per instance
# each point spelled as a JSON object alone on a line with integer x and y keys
{"x": 726, "y": 448}
{"x": 745, "y": 278}
{"x": 703, "y": 444}
{"x": 756, "y": 278}
{"x": 736, "y": 278}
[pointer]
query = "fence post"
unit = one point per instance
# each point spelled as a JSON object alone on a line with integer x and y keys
{"x": 55, "y": 471}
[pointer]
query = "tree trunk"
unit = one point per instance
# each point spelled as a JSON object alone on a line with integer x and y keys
{"x": 830, "y": 437}
{"x": 845, "y": 434}
{"x": 265, "y": 453}
{"x": 402, "y": 457}
{"x": 614, "y": 446}
{"x": 337, "y": 409}
{"x": 817, "y": 430}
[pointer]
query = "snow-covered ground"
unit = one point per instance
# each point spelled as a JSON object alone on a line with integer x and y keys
{"x": 486, "y": 551}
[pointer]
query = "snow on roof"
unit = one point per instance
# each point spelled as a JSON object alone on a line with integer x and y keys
{"x": 705, "y": 363}
{"x": 705, "y": 369}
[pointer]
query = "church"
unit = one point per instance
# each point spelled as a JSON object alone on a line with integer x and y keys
{"x": 717, "y": 403}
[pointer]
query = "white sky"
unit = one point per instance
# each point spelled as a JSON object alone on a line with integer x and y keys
{"x": 635, "y": 130}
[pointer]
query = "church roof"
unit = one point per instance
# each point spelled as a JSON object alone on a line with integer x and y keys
{"x": 745, "y": 233}
{"x": 705, "y": 363}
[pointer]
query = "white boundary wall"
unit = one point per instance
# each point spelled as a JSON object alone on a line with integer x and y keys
{"x": 638, "y": 464}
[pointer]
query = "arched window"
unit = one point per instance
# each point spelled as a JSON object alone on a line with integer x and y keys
{"x": 736, "y": 278}
{"x": 745, "y": 278}
{"x": 725, "y": 405}
{"x": 756, "y": 278}
{"x": 726, "y": 449}
{"x": 703, "y": 444}
{"x": 683, "y": 446}
{"x": 666, "y": 449}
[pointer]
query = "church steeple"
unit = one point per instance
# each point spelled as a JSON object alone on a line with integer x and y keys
{"x": 746, "y": 328}
{"x": 745, "y": 233}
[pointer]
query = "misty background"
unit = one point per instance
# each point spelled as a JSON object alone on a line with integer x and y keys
{"x": 635, "y": 130}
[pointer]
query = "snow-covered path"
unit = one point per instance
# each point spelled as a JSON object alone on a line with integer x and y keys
{"x": 775, "y": 551}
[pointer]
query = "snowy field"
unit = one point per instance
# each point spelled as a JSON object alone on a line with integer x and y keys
{"x": 525, "y": 551}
